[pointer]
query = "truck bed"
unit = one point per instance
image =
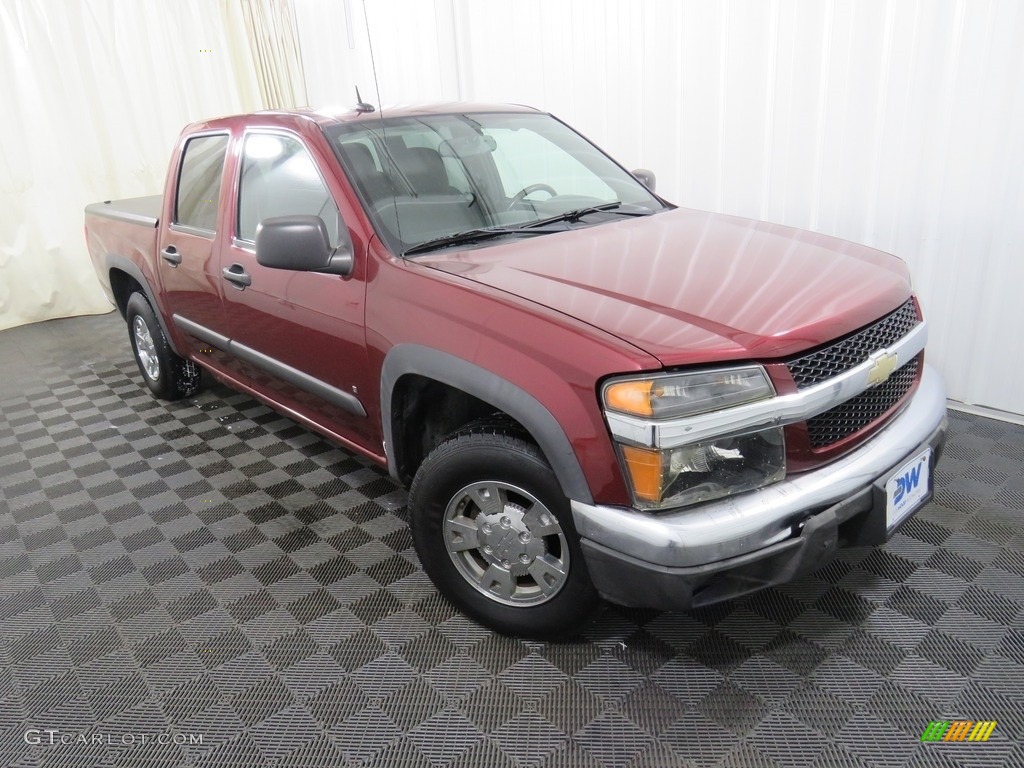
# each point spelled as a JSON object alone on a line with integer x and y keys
{"x": 123, "y": 234}
{"x": 144, "y": 211}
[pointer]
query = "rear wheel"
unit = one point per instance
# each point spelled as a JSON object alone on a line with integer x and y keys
{"x": 166, "y": 374}
{"x": 495, "y": 534}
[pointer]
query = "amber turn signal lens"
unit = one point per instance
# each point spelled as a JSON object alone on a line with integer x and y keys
{"x": 630, "y": 397}
{"x": 644, "y": 467}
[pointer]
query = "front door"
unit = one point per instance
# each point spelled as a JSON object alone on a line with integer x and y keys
{"x": 299, "y": 335}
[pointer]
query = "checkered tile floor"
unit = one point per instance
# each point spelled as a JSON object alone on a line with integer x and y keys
{"x": 209, "y": 571}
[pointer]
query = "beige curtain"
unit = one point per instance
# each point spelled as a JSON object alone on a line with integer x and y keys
{"x": 94, "y": 94}
{"x": 273, "y": 41}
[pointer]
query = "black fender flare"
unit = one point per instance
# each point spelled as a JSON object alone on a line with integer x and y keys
{"x": 115, "y": 261}
{"x": 487, "y": 386}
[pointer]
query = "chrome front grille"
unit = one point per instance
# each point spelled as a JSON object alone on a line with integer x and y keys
{"x": 853, "y": 350}
{"x": 840, "y": 356}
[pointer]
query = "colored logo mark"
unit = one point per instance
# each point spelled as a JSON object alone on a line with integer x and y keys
{"x": 958, "y": 730}
{"x": 906, "y": 484}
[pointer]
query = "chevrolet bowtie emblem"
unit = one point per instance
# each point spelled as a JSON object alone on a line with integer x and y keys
{"x": 884, "y": 365}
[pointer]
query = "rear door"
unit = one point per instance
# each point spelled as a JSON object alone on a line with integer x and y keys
{"x": 187, "y": 257}
{"x": 300, "y": 335}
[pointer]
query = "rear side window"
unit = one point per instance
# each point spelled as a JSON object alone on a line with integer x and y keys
{"x": 202, "y": 165}
{"x": 279, "y": 178}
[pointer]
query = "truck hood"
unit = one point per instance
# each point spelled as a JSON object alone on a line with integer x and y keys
{"x": 688, "y": 286}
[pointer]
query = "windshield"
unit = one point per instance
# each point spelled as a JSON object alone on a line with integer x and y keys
{"x": 434, "y": 177}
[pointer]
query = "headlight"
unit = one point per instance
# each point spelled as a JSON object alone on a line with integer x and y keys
{"x": 689, "y": 474}
{"x": 703, "y": 471}
{"x": 686, "y": 394}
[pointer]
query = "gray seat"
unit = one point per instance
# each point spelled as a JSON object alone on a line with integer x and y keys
{"x": 431, "y": 208}
{"x": 424, "y": 168}
{"x": 374, "y": 185}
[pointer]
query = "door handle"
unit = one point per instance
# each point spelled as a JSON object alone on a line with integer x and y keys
{"x": 171, "y": 256}
{"x": 237, "y": 275}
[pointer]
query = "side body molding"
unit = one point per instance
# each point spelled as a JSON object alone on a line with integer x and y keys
{"x": 487, "y": 386}
{"x": 336, "y": 397}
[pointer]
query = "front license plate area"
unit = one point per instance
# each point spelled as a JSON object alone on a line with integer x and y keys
{"x": 908, "y": 488}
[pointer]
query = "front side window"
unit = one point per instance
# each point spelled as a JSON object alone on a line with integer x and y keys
{"x": 279, "y": 178}
{"x": 202, "y": 165}
{"x": 431, "y": 177}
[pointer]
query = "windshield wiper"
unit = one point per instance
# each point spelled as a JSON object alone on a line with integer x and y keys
{"x": 463, "y": 238}
{"x": 532, "y": 228}
{"x": 577, "y": 213}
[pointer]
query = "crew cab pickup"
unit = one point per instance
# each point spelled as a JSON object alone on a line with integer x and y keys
{"x": 589, "y": 391}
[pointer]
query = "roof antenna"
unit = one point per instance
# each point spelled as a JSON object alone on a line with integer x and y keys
{"x": 362, "y": 106}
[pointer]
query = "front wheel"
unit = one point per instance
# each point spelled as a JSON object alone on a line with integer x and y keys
{"x": 166, "y": 374}
{"x": 495, "y": 534}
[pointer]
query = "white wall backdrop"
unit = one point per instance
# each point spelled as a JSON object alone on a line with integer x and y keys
{"x": 894, "y": 123}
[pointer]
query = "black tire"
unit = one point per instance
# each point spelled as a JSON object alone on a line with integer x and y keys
{"x": 488, "y": 488}
{"x": 166, "y": 374}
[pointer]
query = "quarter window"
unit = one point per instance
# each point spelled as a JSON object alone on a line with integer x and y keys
{"x": 202, "y": 166}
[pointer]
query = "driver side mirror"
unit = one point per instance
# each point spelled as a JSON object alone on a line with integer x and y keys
{"x": 645, "y": 177}
{"x": 300, "y": 242}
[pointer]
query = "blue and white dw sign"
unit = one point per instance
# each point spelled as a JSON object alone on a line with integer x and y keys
{"x": 907, "y": 488}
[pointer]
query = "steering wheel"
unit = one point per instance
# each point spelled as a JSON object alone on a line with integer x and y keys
{"x": 529, "y": 190}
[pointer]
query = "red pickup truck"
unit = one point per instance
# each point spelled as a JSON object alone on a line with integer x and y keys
{"x": 589, "y": 391}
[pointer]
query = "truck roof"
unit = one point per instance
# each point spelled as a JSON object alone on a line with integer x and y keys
{"x": 333, "y": 116}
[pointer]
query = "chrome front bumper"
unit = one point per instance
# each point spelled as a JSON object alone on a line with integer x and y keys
{"x": 696, "y": 543}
